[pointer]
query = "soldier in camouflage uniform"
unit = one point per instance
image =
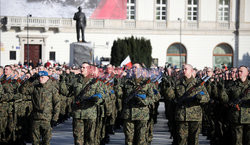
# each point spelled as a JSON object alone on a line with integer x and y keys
{"x": 238, "y": 99}
{"x": 136, "y": 100}
{"x": 7, "y": 100}
{"x": 26, "y": 90}
{"x": 3, "y": 115}
{"x": 118, "y": 85}
{"x": 167, "y": 81}
{"x": 153, "y": 107}
{"x": 46, "y": 109}
{"x": 188, "y": 112}
{"x": 88, "y": 95}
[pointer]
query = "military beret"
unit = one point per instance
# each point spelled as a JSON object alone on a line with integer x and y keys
{"x": 42, "y": 73}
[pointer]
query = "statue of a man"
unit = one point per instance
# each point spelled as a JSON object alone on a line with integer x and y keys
{"x": 80, "y": 23}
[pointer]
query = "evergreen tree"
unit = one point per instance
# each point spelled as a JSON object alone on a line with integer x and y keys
{"x": 139, "y": 50}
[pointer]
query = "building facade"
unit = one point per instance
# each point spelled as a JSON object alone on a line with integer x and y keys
{"x": 198, "y": 32}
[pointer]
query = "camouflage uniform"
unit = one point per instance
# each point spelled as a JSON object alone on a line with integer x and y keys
{"x": 85, "y": 110}
{"x": 238, "y": 98}
{"x": 70, "y": 80}
{"x": 153, "y": 107}
{"x": 18, "y": 113}
{"x": 208, "y": 121}
{"x": 118, "y": 85}
{"x": 7, "y": 119}
{"x": 112, "y": 109}
{"x": 63, "y": 92}
{"x": 167, "y": 81}
{"x": 102, "y": 113}
{"x": 188, "y": 114}
{"x": 3, "y": 114}
{"x": 136, "y": 111}
{"x": 46, "y": 108}
{"x": 26, "y": 90}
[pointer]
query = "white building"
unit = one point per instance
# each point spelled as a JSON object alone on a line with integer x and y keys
{"x": 211, "y": 32}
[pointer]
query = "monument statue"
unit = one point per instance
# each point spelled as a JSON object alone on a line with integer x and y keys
{"x": 80, "y": 23}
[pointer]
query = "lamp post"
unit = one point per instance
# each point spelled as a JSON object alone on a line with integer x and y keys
{"x": 29, "y": 15}
{"x": 179, "y": 19}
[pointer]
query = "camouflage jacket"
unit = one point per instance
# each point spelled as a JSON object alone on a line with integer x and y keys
{"x": 134, "y": 107}
{"x": 4, "y": 106}
{"x": 84, "y": 106}
{"x": 239, "y": 94}
{"x": 189, "y": 110}
{"x": 167, "y": 81}
{"x": 156, "y": 97}
{"x": 212, "y": 90}
{"x": 46, "y": 102}
{"x": 8, "y": 90}
{"x": 118, "y": 92}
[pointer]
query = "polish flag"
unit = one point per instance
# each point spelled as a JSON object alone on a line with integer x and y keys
{"x": 126, "y": 62}
{"x": 111, "y": 9}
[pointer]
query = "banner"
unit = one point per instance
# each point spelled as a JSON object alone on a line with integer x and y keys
{"x": 110, "y": 9}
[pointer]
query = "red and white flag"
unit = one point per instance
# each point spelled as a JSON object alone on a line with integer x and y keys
{"x": 126, "y": 62}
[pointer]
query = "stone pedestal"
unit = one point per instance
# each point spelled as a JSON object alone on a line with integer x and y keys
{"x": 81, "y": 52}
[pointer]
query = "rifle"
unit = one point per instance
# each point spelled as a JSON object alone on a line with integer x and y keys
{"x": 238, "y": 102}
{"x": 85, "y": 89}
{"x": 185, "y": 98}
{"x": 21, "y": 79}
{"x": 8, "y": 80}
{"x": 1, "y": 76}
{"x": 157, "y": 80}
{"x": 139, "y": 87}
{"x": 13, "y": 77}
{"x": 110, "y": 82}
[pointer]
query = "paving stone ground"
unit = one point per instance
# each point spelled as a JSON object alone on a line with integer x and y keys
{"x": 62, "y": 134}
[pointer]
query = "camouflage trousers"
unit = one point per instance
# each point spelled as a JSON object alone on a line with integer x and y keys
{"x": 150, "y": 129}
{"x": 240, "y": 134}
{"x": 41, "y": 128}
{"x": 135, "y": 132}
{"x": 100, "y": 125}
{"x": 188, "y": 132}
{"x": 84, "y": 131}
{"x": 3, "y": 126}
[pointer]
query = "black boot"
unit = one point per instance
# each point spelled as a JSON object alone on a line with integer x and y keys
{"x": 111, "y": 130}
{"x": 106, "y": 139}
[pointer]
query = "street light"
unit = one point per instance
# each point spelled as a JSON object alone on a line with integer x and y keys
{"x": 179, "y": 19}
{"x": 29, "y": 15}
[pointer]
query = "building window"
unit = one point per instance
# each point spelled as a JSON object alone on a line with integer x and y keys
{"x": 223, "y": 12}
{"x": 52, "y": 55}
{"x": 130, "y": 9}
{"x": 12, "y": 55}
{"x": 176, "y": 55}
{"x": 161, "y": 9}
{"x": 223, "y": 54}
{"x": 192, "y": 11}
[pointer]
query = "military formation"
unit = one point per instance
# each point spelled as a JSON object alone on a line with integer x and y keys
{"x": 212, "y": 102}
{"x": 101, "y": 99}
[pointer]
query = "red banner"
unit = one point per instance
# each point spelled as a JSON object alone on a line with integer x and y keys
{"x": 110, "y": 9}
